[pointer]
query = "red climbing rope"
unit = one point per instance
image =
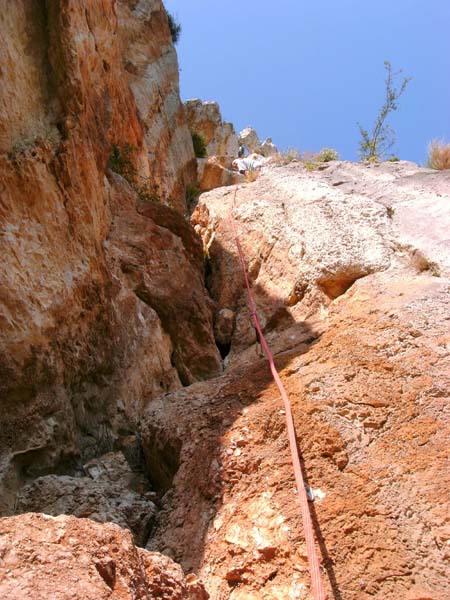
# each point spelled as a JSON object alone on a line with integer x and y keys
{"x": 318, "y": 589}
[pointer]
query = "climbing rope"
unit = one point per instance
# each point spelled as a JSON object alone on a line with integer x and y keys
{"x": 318, "y": 589}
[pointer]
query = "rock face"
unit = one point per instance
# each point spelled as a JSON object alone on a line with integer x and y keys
{"x": 86, "y": 334}
{"x": 157, "y": 255}
{"x": 369, "y": 400}
{"x": 308, "y": 236}
{"x": 350, "y": 269}
{"x": 110, "y": 492}
{"x": 216, "y": 171}
{"x": 205, "y": 119}
{"x": 248, "y": 138}
{"x": 151, "y": 70}
{"x": 105, "y": 317}
{"x": 63, "y": 558}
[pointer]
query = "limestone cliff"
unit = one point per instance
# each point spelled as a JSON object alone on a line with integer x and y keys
{"x": 90, "y": 286}
{"x": 349, "y": 267}
{"x": 114, "y": 401}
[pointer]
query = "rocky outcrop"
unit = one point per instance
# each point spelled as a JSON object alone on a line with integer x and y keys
{"x": 308, "y": 236}
{"x": 216, "y": 171}
{"x": 86, "y": 334}
{"x": 64, "y": 557}
{"x": 151, "y": 71}
{"x": 105, "y": 317}
{"x": 156, "y": 254}
{"x": 368, "y": 399}
{"x": 350, "y": 269}
{"x": 248, "y": 138}
{"x": 109, "y": 492}
{"x": 204, "y": 118}
{"x": 221, "y": 141}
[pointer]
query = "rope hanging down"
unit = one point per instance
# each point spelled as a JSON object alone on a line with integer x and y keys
{"x": 318, "y": 589}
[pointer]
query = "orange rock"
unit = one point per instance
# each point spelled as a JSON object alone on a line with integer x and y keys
{"x": 80, "y": 351}
{"x": 66, "y": 558}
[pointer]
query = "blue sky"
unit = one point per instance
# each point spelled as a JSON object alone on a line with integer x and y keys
{"x": 304, "y": 73}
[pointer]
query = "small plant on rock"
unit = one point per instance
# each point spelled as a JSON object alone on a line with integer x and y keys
{"x": 121, "y": 161}
{"x": 310, "y": 165}
{"x": 251, "y": 175}
{"x": 286, "y": 156}
{"x": 291, "y": 155}
{"x": 438, "y": 155}
{"x": 199, "y": 145}
{"x": 327, "y": 154}
{"x": 375, "y": 145}
{"x": 175, "y": 28}
{"x": 192, "y": 193}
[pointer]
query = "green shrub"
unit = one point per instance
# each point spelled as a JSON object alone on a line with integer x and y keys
{"x": 310, "y": 165}
{"x": 251, "y": 175}
{"x": 175, "y": 28}
{"x": 199, "y": 145}
{"x": 192, "y": 193}
{"x": 121, "y": 161}
{"x": 147, "y": 192}
{"x": 327, "y": 154}
{"x": 374, "y": 146}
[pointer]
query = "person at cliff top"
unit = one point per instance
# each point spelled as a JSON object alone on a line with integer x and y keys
{"x": 249, "y": 163}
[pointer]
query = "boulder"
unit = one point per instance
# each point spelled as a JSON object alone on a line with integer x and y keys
{"x": 250, "y": 140}
{"x": 268, "y": 148}
{"x": 307, "y": 236}
{"x": 65, "y": 558}
{"x": 205, "y": 119}
{"x": 216, "y": 171}
{"x": 110, "y": 492}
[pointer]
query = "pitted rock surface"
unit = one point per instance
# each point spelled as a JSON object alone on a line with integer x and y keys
{"x": 110, "y": 492}
{"x": 370, "y": 401}
{"x": 65, "y": 558}
{"x": 308, "y": 236}
{"x": 110, "y": 304}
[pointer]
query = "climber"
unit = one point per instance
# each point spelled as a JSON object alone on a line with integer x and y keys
{"x": 249, "y": 163}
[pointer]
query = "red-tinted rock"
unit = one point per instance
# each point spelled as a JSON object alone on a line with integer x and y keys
{"x": 64, "y": 558}
{"x": 80, "y": 352}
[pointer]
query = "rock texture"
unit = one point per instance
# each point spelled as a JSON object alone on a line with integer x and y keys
{"x": 205, "y": 119}
{"x": 350, "y": 270}
{"x": 156, "y": 254}
{"x": 110, "y": 492}
{"x": 65, "y": 558}
{"x": 369, "y": 400}
{"x": 248, "y": 138}
{"x": 84, "y": 335}
{"x": 151, "y": 71}
{"x": 105, "y": 317}
{"x": 216, "y": 171}
{"x": 308, "y": 236}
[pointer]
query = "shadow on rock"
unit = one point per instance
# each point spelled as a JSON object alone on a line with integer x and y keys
{"x": 217, "y": 452}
